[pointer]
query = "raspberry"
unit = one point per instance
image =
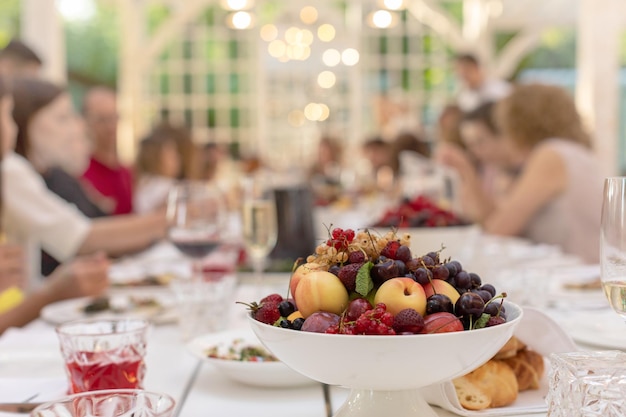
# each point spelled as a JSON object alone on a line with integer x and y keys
{"x": 347, "y": 275}
{"x": 272, "y": 297}
{"x": 390, "y": 249}
{"x": 267, "y": 313}
{"x": 408, "y": 320}
{"x": 356, "y": 257}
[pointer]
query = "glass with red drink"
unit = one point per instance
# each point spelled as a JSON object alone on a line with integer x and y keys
{"x": 104, "y": 354}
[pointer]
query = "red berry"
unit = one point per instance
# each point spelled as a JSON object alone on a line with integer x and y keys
{"x": 356, "y": 257}
{"x": 272, "y": 298}
{"x": 268, "y": 312}
{"x": 347, "y": 275}
{"x": 349, "y": 235}
{"x": 495, "y": 320}
{"x": 337, "y": 233}
{"x": 408, "y": 320}
{"x": 390, "y": 249}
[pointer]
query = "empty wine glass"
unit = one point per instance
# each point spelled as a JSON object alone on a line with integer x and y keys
{"x": 259, "y": 223}
{"x": 197, "y": 216}
{"x": 613, "y": 243}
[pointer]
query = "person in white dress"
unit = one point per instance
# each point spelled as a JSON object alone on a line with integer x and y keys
{"x": 557, "y": 196}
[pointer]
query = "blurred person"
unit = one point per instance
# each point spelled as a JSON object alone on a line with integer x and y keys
{"x": 476, "y": 86}
{"x": 449, "y": 125}
{"x": 157, "y": 168}
{"x": 383, "y": 162}
{"x": 105, "y": 172}
{"x": 219, "y": 167}
{"x": 18, "y": 60}
{"x": 325, "y": 173}
{"x": 557, "y": 197}
{"x": 86, "y": 276}
{"x": 35, "y": 216}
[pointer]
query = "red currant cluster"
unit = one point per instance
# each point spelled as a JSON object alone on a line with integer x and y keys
{"x": 340, "y": 239}
{"x": 419, "y": 212}
{"x": 376, "y": 321}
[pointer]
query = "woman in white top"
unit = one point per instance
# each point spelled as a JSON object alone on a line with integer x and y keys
{"x": 34, "y": 215}
{"x": 557, "y": 197}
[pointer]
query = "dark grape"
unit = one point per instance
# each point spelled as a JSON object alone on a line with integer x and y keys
{"x": 492, "y": 308}
{"x": 434, "y": 256}
{"x": 456, "y": 265}
{"x": 490, "y": 288}
{"x": 285, "y": 324}
{"x": 413, "y": 264}
{"x": 440, "y": 272}
{"x": 469, "y": 304}
{"x": 381, "y": 272}
{"x": 423, "y": 275}
{"x": 411, "y": 275}
{"x": 437, "y": 303}
{"x": 334, "y": 269}
{"x": 451, "y": 267}
{"x": 475, "y": 280}
{"x": 427, "y": 261}
{"x": 297, "y": 323}
{"x": 357, "y": 307}
{"x": 286, "y": 307}
{"x": 485, "y": 295}
{"x": 401, "y": 267}
{"x": 403, "y": 253}
{"x": 463, "y": 280}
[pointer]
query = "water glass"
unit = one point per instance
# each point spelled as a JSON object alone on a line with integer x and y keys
{"x": 109, "y": 403}
{"x": 587, "y": 384}
{"x": 204, "y": 302}
{"x": 104, "y": 354}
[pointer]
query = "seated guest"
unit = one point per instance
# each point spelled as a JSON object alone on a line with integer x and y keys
{"x": 18, "y": 60}
{"x": 557, "y": 196}
{"x": 157, "y": 168}
{"x": 35, "y": 216}
{"x": 106, "y": 174}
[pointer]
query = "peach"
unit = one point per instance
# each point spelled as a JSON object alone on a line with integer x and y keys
{"x": 437, "y": 286}
{"x": 400, "y": 293}
{"x": 321, "y": 291}
{"x": 301, "y": 271}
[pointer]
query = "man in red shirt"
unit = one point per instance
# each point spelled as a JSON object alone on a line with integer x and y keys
{"x": 110, "y": 182}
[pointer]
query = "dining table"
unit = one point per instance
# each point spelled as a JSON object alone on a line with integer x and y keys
{"x": 31, "y": 366}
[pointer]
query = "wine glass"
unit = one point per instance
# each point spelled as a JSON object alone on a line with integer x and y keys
{"x": 259, "y": 223}
{"x": 197, "y": 214}
{"x": 613, "y": 243}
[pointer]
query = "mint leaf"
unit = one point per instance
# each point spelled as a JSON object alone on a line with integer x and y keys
{"x": 482, "y": 321}
{"x": 364, "y": 283}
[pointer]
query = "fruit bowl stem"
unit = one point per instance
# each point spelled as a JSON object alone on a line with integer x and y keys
{"x": 369, "y": 403}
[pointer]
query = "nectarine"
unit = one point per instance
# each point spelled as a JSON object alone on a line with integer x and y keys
{"x": 321, "y": 291}
{"x": 400, "y": 293}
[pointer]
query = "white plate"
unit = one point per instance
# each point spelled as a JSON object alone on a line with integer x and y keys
{"x": 542, "y": 334}
{"x": 73, "y": 309}
{"x": 261, "y": 374}
{"x": 602, "y": 328}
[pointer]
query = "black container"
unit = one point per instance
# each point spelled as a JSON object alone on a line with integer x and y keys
{"x": 296, "y": 231}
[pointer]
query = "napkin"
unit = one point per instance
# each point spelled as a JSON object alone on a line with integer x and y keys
{"x": 543, "y": 335}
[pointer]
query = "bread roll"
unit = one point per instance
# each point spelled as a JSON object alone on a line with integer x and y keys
{"x": 494, "y": 379}
{"x": 470, "y": 396}
{"x": 510, "y": 349}
{"x": 528, "y": 367}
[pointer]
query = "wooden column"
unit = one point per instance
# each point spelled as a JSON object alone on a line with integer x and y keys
{"x": 597, "y": 83}
{"x": 42, "y": 30}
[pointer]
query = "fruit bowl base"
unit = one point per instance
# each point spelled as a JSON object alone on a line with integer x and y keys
{"x": 370, "y": 403}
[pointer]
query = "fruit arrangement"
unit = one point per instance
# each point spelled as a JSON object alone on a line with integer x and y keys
{"x": 370, "y": 284}
{"x": 419, "y": 212}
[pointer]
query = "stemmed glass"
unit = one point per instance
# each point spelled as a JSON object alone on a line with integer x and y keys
{"x": 259, "y": 223}
{"x": 613, "y": 243}
{"x": 196, "y": 214}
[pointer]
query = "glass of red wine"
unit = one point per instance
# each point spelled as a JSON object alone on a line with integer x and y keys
{"x": 196, "y": 214}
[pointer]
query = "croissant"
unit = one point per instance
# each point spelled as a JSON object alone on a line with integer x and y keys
{"x": 528, "y": 367}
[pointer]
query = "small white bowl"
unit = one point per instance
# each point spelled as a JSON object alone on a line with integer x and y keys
{"x": 260, "y": 374}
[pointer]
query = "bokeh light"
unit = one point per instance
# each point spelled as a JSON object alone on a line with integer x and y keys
{"x": 394, "y": 4}
{"x": 241, "y": 20}
{"x": 291, "y": 35}
{"x": 350, "y": 57}
{"x": 326, "y": 32}
{"x": 326, "y": 79}
{"x": 269, "y": 32}
{"x": 296, "y": 118}
{"x": 313, "y": 111}
{"x": 331, "y": 57}
{"x": 325, "y": 112}
{"x": 277, "y": 48}
{"x": 382, "y": 19}
{"x": 308, "y": 15}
